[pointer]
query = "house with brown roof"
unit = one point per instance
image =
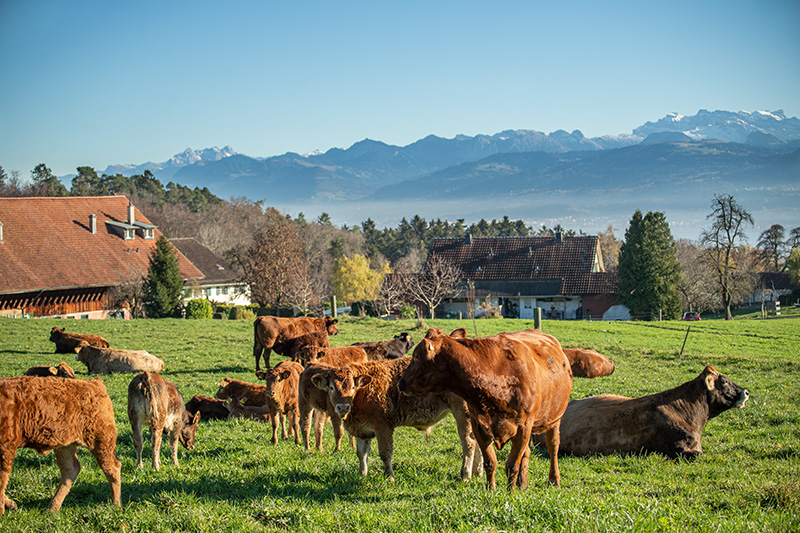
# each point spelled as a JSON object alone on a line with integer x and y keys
{"x": 562, "y": 275}
{"x": 60, "y": 257}
{"x": 221, "y": 282}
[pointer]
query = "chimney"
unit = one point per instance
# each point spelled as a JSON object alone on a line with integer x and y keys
{"x": 468, "y": 238}
{"x": 93, "y": 224}
{"x": 131, "y": 217}
{"x": 559, "y": 238}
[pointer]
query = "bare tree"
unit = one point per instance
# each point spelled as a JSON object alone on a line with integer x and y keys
{"x": 609, "y": 247}
{"x": 129, "y": 293}
{"x": 438, "y": 281}
{"x": 771, "y": 245}
{"x": 723, "y": 248}
{"x": 697, "y": 286}
{"x": 394, "y": 290}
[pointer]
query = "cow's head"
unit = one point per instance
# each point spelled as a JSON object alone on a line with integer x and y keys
{"x": 223, "y": 393}
{"x": 189, "y": 429}
{"x": 55, "y": 334}
{"x": 330, "y": 325}
{"x": 273, "y": 378}
{"x": 309, "y": 354}
{"x": 406, "y": 341}
{"x": 422, "y": 374}
{"x": 341, "y": 385}
{"x": 723, "y": 394}
{"x": 63, "y": 370}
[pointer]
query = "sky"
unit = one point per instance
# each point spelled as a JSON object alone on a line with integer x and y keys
{"x": 94, "y": 83}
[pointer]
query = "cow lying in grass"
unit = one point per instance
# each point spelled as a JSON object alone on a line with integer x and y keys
{"x": 71, "y": 342}
{"x": 589, "y": 363}
{"x": 393, "y": 348}
{"x": 109, "y": 361}
{"x": 63, "y": 370}
{"x": 237, "y": 409}
{"x": 209, "y": 408}
{"x": 60, "y": 415}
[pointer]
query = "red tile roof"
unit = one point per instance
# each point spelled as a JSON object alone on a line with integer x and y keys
{"x": 47, "y": 244}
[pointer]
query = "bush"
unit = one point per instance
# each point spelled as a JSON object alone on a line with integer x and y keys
{"x": 199, "y": 308}
{"x": 408, "y": 311}
{"x": 242, "y": 313}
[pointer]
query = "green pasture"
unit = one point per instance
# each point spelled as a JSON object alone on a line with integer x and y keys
{"x": 236, "y": 480}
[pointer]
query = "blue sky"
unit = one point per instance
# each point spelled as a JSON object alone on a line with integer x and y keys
{"x": 105, "y": 82}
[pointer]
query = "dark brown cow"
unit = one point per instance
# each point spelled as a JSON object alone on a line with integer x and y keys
{"x": 253, "y": 394}
{"x": 514, "y": 383}
{"x": 589, "y": 363}
{"x": 293, "y": 348}
{"x": 60, "y": 415}
{"x": 71, "y": 342}
{"x": 209, "y": 408}
{"x": 669, "y": 422}
{"x": 366, "y": 397}
{"x": 63, "y": 370}
{"x": 156, "y": 401}
{"x": 393, "y": 348}
{"x": 271, "y": 333}
{"x": 282, "y": 397}
{"x": 237, "y": 409}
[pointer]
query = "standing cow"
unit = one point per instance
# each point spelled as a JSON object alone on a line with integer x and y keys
{"x": 515, "y": 384}
{"x": 272, "y": 333}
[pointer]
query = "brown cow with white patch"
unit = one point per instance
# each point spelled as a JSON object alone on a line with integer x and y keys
{"x": 515, "y": 384}
{"x": 60, "y": 415}
{"x": 109, "y": 361}
{"x": 156, "y": 401}
{"x": 253, "y": 394}
{"x": 366, "y": 397}
{"x": 209, "y": 408}
{"x": 71, "y": 342}
{"x": 272, "y": 332}
{"x": 282, "y": 397}
{"x": 63, "y": 370}
{"x": 393, "y": 348}
{"x": 669, "y": 422}
{"x": 589, "y": 363}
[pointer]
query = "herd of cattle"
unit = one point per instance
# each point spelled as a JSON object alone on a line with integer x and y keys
{"x": 512, "y": 386}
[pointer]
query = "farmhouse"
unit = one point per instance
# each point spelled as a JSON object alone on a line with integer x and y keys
{"x": 64, "y": 257}
{"x": 220, "y": 282}
{"x": 562, "y": 275}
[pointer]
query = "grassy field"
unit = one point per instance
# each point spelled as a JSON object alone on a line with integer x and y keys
{"x": 235, "y": 480}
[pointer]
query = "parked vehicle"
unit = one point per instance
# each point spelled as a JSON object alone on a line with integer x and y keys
{"x": 691, "y": 315}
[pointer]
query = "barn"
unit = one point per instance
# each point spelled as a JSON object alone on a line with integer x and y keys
{"x": 71, "y": 257}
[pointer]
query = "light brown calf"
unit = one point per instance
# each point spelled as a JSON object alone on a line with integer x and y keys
{"x": 109, "y": 361}
{"x": 282, "y": 383}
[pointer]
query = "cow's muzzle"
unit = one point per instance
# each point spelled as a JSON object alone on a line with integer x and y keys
{"x": 343, "y": 409}
{"x": 743, "y": 397}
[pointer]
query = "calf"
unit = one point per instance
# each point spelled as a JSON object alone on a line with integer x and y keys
{"x": 334, "y": 355}
{"x": 157, "y": 402}
{"x": 237, "y": 409}
{"x": 669, "y": 422}
{"x": 366, "y": 397}
{"x": 293, "y": 347}
{"x": 272, "y": 332}
{"x": 249, "y": 393}
{"x": 63, "y": 370}
{"x": 209, "y": 408}
{"x": 589, "y": 363}
{"x": 71, "y": 342}
{"x": 108, "y": 361}
{"x": 60, "y": 415}
{"x": 395, "y": 347}
{"x": 282, "y": 383}
{"x": 514, "y": 383}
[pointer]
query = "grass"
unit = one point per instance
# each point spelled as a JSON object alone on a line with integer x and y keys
{"x": 748, "y": 480}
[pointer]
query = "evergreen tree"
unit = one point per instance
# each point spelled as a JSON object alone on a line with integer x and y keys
{"x": 648, "y": 269}
{"x": 163, "y": 286}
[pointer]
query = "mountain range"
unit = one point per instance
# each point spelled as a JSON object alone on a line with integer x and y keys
{"x": 675, "y": 164}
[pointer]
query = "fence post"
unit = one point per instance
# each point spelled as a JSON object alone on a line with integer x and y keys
{"x": 537, "y": 318}
{"x": 684, "y": 339}
{"x": 333, "y": 306}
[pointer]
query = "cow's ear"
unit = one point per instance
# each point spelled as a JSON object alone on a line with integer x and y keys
{"x": 260, "y": 374}
{"x": 710, "y": 380}
{"x": 460, "y": 333}
{"x": 319, "y": 381}
{"x": 285, "y": 374}
{"x": 433, "y": 333}
{"x": 53, "y": 370}
{"x": 430, "y": 349}
{"x": 196, "y": 418}
{"x": 363, "y": 380}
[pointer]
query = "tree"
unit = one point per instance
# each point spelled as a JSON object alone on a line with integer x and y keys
{"x": 45, "y": 183}
{"x": 609, "y": 247}
{"x": 354, "y": 280}
{"x": 648, "y": 270}
{"x": 3, "y": 178}
{"x": 696, "y": 286}
{"x": 437, "y": 282}
{"x": 771, "y": 245}
{"x": 163, "y": 286}
{"x": 85, "y": 183}
{"x": 722, "y": 244}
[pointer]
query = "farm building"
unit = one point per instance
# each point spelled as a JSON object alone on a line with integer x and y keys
{"x": 64, "y": 257}
{"x": 220, "y": 283}
{"x": 562, "y": 275}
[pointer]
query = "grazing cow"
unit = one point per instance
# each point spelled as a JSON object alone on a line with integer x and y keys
{"x": 72, "y": 342}
{"x": 249, "y": 393}
{"x": 669, "y": 422}
{"x": 60, "y": 415}
{"x": 293, "y": 347}
{"x": 63, "y": 370}
{"x": 311, "y": 398}
{"x": 282, "y": 397}
{"x": 271, "y": 333}
{"x": 157, "y": 402}
{"x": 108, "y": 361}
{"x": 366, "y": 397}
{"x": 514, "y": 383}
{"x": 334, "y": 355}
{"x": 589, "y": 363}
{"x": 395, "y": 347}
{"x": 237, "y": 409}
{"x": 209, "y": 408}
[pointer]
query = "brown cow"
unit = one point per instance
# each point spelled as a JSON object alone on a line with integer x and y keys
{"x": 589, "y": 363}
{"x": 271, "y": 333}
{"x": 393, "y": 348}
{"x": 109, "y": 361}
{"x": 60, "y": 415}
{"x": 282, "y": 397}
{"x": 157, "y": 402}
{"x": 293, "y": 347}
{"x": 209, "y": 408}
{"x": 63, "y": 370}
{"x": 237, "y": 409}
{"x": 71, "y": 342}
{"x": 366, "y": 397}
{"x": 333, "y": 355}
{"x": 253, "y": 394}
{"x": 514, "y": 383}
{"x": 669, "y": 422}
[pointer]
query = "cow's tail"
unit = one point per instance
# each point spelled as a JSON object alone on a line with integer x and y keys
{"x": 145, "y": 390}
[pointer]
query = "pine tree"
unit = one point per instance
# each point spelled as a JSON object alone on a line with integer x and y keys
{"x": 648, "y": 269}
{"x": 163, "y": 286}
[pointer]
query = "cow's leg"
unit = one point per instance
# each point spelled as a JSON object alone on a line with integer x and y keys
{"x": 385, "y": 437}
{"x": 273, "y": 417}
{"x": 468, "y": 444}
{"x": 155, "y": 440}
{"x": 282, "y": 418}
{"x": 67, "y": 460}
{"x": 338, "y": 432}
{"x": 136, "y": 430}
{"x": 295, "y": 415}
{"x": 519, "y": 445}
{"x": 553, "y": 439}
{"x": 522, "y": 480}
{"x": 257, "y": 350}
{"x": 111, "y": 466}
{"x": 320, "y": 417}
{"x": 362, "y": 450}
{"x": 305, "y": 421}
{"x": 6, "y": 462}
{"x": 487, "y": 451}
{"x": 174, "y": 439}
